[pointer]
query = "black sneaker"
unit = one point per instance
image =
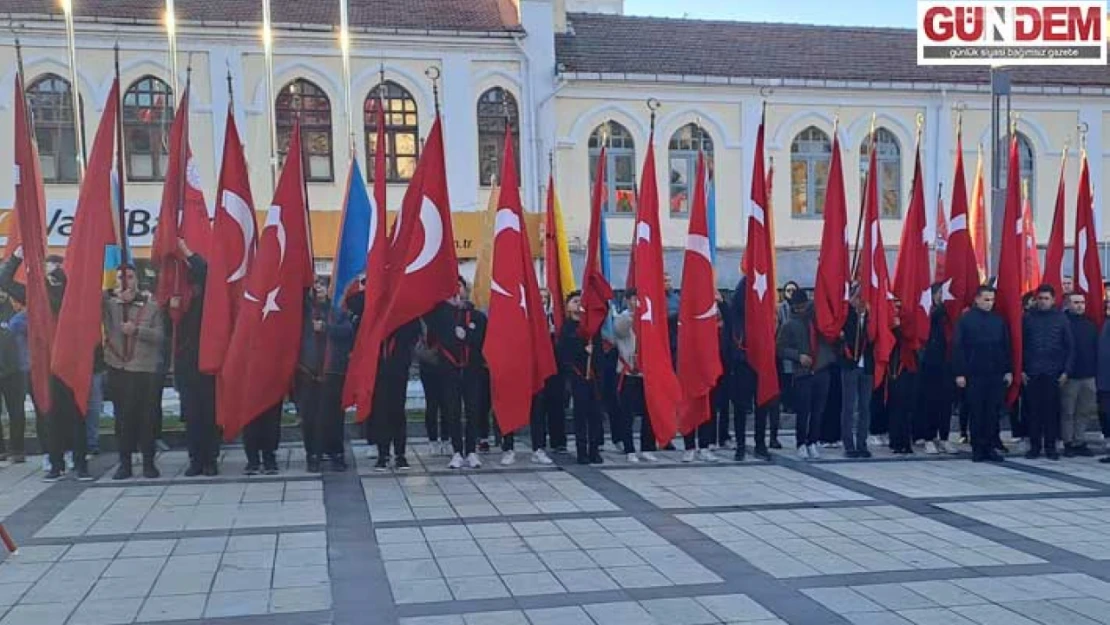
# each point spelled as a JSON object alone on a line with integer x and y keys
{"x": 1032, "y": 455}
{"x": 193, "y": 470}
{"x": 994, "y": 456}
{"x": 338, "y": 463}
{"x": 864, "y": 454}
{"x": 83, "y": 475}
{"x": 252, "y": 468}
{"x": 313, "y": 464}
{"x": 775, "y": 444}
{"x": 150, "y": 472}
{"x": 53, "y": 476}
{"x": 401, "y": 463}
{"x": 1069, "y": 451}
{"x": 382, "y": 465}
{"x": 483, "y": 447}
{"x": 1052, "y": 455}
{"x": 210, "y": 470}
{"x": 762, "y": 454}
{"x": 270, "y": 468}
{"x": 1104, "y": 460}
{"x": 124, "y": 473}
{"x": 586, "y": 459}
{"x": 1083, "y": 451}
{"x": 595, "y": 458}
{"x": 739, "y": 455}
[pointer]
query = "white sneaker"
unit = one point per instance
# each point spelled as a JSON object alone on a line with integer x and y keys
{"x": 371, "y": 453}
{"x": 874, "y": 441}
{"x": 472, "y": 461}
{"x": 69, "y": 461}
{"x": 814, "y": 452}
{"x": 456, "y": 462}
{"x": 46, "y": 463}
{"x": 508, "y": 458}
{"x": 689, "y": 455}
{"x": 931, "y": 448}
{"x": 649, "y": 456}
{"x": 706, "y": 455}
{"x": 712, "y": 446}
{"x": 540, "y": 457}
{"x": 949, "y": 448}
{"x": 803, "y": 452}
{"x": 633, "y": 458}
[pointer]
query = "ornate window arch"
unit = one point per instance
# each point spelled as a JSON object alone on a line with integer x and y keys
{"x": 620, "y": 167}
{"x": 402, "y": 130}
{"x": 148, "y": 109}
{"x": 888, "y": 159}
{"x": 495, "y": 106}
{"x": 1026, "y": 160}
{"x": 682, "y": 153}
{"x": 51, "y": 102}
{"x": 304, "y": 98}
{"x": 810, "y": 156}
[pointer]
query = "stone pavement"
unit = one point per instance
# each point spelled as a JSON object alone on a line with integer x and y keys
{"x": 891, "y": 541}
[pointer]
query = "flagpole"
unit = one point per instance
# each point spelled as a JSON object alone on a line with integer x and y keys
{"x": 345, "y": 49}
{"x": 71, "y": 44}
{"x": 268, "y": 50}
{"x": 121, "y": 224}
{"x": 171, "y": 34}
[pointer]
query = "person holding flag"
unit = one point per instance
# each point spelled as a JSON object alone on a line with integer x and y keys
{"x": 577, "y": 361}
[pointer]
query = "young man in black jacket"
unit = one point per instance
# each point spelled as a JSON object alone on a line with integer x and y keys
{"x": 578, "y": 364}
{"x": 857, "y": 376}
{"x": 981, "y": 365}
{"x": 1048, "y": 354}
{"x": 743, "y": 382}
{"x": 1079, "y": 397}
{"x": 936, "y": 390}
{"x": 198, "y": 390}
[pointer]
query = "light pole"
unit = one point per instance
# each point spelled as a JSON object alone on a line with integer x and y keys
{"x": 1000, "y": 143}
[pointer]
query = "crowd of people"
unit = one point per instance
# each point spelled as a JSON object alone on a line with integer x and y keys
{"x": 828, "y": 385}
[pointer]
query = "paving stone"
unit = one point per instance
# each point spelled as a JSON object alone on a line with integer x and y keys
{"x": 479, "y": 587}
{"x": 241, "y": 603}
{"x": 508, "y": 617}
{"x": 586, "y": 580}
{"x": 572, "y": 615}
{"x": 106, "y": 611}
{"x": 532, "y": 584}
{"x": 306, "y": 599}
{"x": 39, "y": 614}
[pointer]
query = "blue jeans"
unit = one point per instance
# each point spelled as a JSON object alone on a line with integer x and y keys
{"x": 96, "y": 409}
{"x": 855, "y": 408}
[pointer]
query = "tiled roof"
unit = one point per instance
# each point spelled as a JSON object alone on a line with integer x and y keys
{"x": 449, "y": 15}
{"x": 644, "y": 45}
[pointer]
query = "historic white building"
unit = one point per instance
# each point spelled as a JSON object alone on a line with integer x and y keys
{"x": 569, "y": 74}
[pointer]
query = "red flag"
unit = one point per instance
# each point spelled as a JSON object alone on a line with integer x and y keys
{"x": 977, "y": 218}
{"x": 421, "y": 270}
{"x": 518, "y": 328}
{"x": 940, "y": 242}
{"x": 1088, "y": 271}
{"x": 759, "y": 301}
{"x": 1010, "y": 268}
{"x": 1054, "y": 252}
{"x": 662, "y": 392}
{"x": 596, "y": 292}
{"x": 1031, "y": 270}
{"x": 698, "y": 333}
{"x": 831, "y": 292}
{"x": 265, "y": 344}
{"x": 79, "y": 324}
{"x": 379, "y": 244}
{"x": 911, "y": 274}
{"x": 183, "y": 215}
{"x": 30, "y": 202}
{"x": 234, "y": 242}
{"x": 874, "y": 277}
{"x": 961, "y": 277}
{"x": 552, "y": 264}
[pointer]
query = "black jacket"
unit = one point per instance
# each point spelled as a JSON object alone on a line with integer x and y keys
{"x": 444, "y": 325}
{"x": 1084, "y": 362}
{"x": 397, "y": 351}
{"x": 10, "y": 360}
{"x": 186, "y": 356}
{"x": 574, "y": 360}
{"x": 857, "y": 344}
{"x": 734, "y": 320}
{"x": 981, "y": 346}
{"x": 1047, "y": 345}
{"x": 935, "y": 356}
{"x": 798, "y": 337}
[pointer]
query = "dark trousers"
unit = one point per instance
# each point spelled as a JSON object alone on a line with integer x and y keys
{"x": 610, "y": 396}
{"x": 198, "y": 409}
{"x": 133, "y": 395}
{"x": 856, "y": 385}
{"x": 983, "y": 397}
{"x": 743, "y": 386}
{"x": 319, "y": 402}
{"x": 704, "y": 435}
{"x": 588, "y": 430}
{"x": 553, "y": 403}
{"x": 721, "y": 399}
{"x": 1104, "y": 412}
{"x": 13, "y": 390}
{"x": 1042, "y": 394}
{"x": 66, "y": 427}
{"x": 810, "y": 393}
{"x": 935, "y": 394}
{"x": 633, "y": 405}
{"x": 390, "y": 424}
{"x": 463, "y": 438}
{"x": 965, "y": 416}
{"x": 537, "y": 426}
{"x": 435, "y": 417}
{"x": 880, "y": 421}
{"x": 901, "y": 409}
{"x": 262, "y": 435}
{"x": 477, "y": 399}
{"x": 1019, "y": 417}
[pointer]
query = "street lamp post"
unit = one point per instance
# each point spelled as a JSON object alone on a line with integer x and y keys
{"x": 1000, "y": 143}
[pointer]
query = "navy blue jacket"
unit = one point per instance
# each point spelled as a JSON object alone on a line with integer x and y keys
{"x": 328, "y": 351}
{"x": 1084, "y": 362}
{"x": 1047, "y": 345}
{"x": 981, "y": 346}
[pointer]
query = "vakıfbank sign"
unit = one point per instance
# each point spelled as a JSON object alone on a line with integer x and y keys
{"x": 1011, "y": 33}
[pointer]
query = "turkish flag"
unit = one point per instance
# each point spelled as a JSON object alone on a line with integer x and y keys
{"x": 518, "y": 345}
{"x": 231, "y": 254}
{"x": 1031, "y": 269}
{"x": 831, "y": 292}
{"x": 911, "y": 274}
{"x": 79, "y": 322}
{"x": 183, "y": 214}
{"x": 961, "y": 277}
{"x": 29, "y": 214}
{"x": 662, "y": 392}
{"x": 1010, "y": 270}
{"x": 874, "y": 277}
{"x": 265, "y": 344}
{"x": 940, "y": 242}
{"x": 759, "y": 300}
{"x": 1054, "y": 252}
{"x": 596, "y": 292}
{"x": 378, "y": 253}
{"x": 699, "y": 337}
{"x": 1088, "y": 271}
{"x": 421, "y": 270}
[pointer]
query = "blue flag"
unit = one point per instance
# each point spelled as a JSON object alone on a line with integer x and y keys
{"x": 354, "y": 236}
{"x": 606, "y": 266}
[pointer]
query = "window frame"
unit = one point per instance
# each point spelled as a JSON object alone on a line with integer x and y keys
{"x": 284, "y": 120}
{"x": 1027, "y": 165}
{"x": 625, "y": 151}
{"x": 403, "y": 97}
{"x": 686, "y": 149}
{"x": 157, "y": 132}
{"x": 811, "y": 157}
{"x": 889, "y": 156}
{"x": 57, "y": 125}
{"x": 494, "y": 136}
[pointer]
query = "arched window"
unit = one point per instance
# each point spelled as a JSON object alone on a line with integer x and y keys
{"x": 1025, "y": 160}
{"x": 52, "y": 110}
{"x": 305, "y": 99}
{"x": 147, "y": 116}
{"x": 620, "y": 167}
{"x": 889, "y": 164}
{"x": 810, "y": 155}
{"x": 494, "y": 107}
{"x": 683, "y": 155}
{"x": 402, "y": 131}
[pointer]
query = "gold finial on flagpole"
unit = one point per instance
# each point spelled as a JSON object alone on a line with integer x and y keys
{"x": 653, "y": 105}
{"x": 1014, "y": 122}
{"x": 433, "y": 74}
{"x": 230, "y": 90}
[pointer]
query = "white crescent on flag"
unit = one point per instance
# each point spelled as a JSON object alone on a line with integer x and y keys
{"x": 959, "y": 222}
{"x": 699, "y": 244}
{"x": 242, "y": 215}
{"x": 433, "y": 236}
{"x": 273, "y": 220}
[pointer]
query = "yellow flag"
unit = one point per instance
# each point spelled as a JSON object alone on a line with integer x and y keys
{"x": 566, "y": 272}
{"x": 977, "y": 219}
{"x": 483, "y": 273}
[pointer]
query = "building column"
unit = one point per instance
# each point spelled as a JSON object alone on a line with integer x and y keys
{"x": 460, "y": 136}
{"x": 538, "y": 109}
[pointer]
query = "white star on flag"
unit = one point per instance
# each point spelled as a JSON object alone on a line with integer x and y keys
{"x": 946, "y": 291}
{"x": 271, "y": 304}
{"x": 926, "y": 300}
{"x": 760, "y": 284}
